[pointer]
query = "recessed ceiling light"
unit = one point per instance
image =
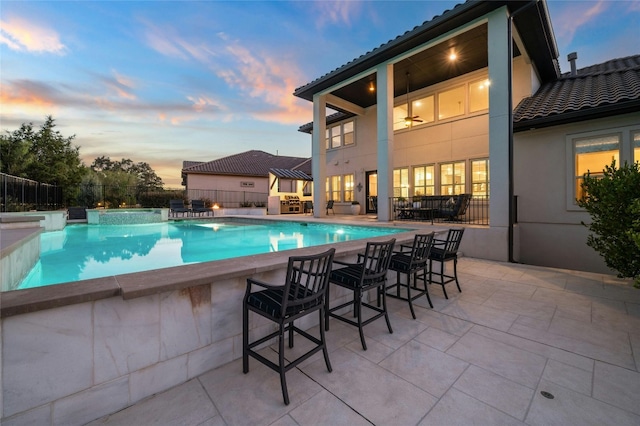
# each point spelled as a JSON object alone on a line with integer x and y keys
{"x": 453, "y": 56}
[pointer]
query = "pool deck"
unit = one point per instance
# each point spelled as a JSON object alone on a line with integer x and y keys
{"x": 481, "y": 357}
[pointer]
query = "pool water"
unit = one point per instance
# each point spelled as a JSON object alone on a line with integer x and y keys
{"x": 81, "y": 252}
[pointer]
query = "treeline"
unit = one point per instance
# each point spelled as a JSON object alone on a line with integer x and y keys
{"x": 46, "y": 156}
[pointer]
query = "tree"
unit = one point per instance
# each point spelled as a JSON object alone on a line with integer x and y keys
{"x": 146, "y": 177}
{"x": 613, "y": 201}
{"x": 45, "y": 156}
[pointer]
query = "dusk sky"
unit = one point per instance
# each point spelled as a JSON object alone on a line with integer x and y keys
{"x": 162, "y": 82}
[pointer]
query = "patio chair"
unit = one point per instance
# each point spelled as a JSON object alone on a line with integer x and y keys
{"x": 411, "y": 261}
{"x": 369, "y": 273}
{"x": 303, "y": 292}
{"x": 445, "y": 251}
{"x": 330, "y": 206}
{"x": 177, "y": 206}
{"x": 308, "y": 207}
{"x": 198, "y": 206}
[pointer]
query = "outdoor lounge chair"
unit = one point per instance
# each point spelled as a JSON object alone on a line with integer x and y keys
{"x": 444, "y": 251}
{"x": 303, "y": 292}
{"x": 368, "y": 274}
{"x": 177, "y": 206}
{"x": 198, "y": 206}
{"x": 330, "y": 206}
{"x": 458, "y": 207}
{"x": 412, "y": 263}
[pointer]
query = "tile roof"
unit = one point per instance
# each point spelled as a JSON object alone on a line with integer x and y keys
{"x": 609, "y": 88}
{"x": 290, "y": 174}
{"x": 249, "y": 163}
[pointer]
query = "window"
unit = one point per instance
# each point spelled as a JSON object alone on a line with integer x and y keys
{"x": 451, "y": 103}
{"x": 424, "y": 180}
{"x": 335, "y": 188}
{"x": 401, "y": 183}
{"x": 452, "y": 178}
{"x": 347, "y": 129}
{"x": 592, "y": 154}
{"x": 399, "y": 113}
{"x": 480, "y": 178}
{"x": 479, "y": 95}
{"x": 636, "y": 147}
{"x": 348, "y": 188}
{"x": 424, "y": 109}
{"x": 340, "y": 135}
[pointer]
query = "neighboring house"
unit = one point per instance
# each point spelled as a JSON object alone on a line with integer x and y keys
{"x": 237, "y": 178}
{"x": 433, "y": 112}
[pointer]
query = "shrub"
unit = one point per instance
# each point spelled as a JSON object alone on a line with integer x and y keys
{"x": 613, "y": 201}
{"x": 246, "y": 204}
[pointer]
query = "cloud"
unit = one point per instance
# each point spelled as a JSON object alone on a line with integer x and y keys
{"x": 335, "y": 12}
{"x": 575, "y": 15}
{"x": 22, "y": 35}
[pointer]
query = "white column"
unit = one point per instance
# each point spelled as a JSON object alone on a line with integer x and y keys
{"x": 499, "y": 116}
{"x": 385, "y": 139}
{"x": 319, "y": 155}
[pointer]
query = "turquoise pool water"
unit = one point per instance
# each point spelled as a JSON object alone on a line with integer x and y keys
{"x": 81, "y": 252}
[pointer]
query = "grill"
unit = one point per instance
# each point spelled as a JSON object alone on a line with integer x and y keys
{"x": 290, "y": 204}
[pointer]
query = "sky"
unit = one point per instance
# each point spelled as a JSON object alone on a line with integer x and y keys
{"x": 162, "y": 82}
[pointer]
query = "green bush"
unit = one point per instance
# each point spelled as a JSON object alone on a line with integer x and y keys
{"x": 613, "y": 201}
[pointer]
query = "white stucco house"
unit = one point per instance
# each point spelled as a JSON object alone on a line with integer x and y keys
{"x": 473, "y": 101}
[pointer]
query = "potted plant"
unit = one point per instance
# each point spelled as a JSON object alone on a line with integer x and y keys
{"x": 355, "y": 207}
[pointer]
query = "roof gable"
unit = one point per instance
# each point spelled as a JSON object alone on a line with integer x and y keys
{"x": 249, "y": 163}
{"x": 600, "y": 90}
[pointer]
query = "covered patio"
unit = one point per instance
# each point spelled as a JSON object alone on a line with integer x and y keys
{"x": 488, "y": 355}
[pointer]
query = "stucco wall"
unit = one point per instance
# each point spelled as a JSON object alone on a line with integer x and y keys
{"x": 226, "y": 183}
{"x": 551, "y": 233}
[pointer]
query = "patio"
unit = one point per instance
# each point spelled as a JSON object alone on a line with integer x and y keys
{"x": 482, "y": 357}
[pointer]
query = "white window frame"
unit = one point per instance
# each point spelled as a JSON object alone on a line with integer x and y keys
{"x": 332, "y": 132}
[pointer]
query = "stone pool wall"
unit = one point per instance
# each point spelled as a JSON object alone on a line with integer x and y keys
{"x": 72, "y": 363}
{"x": 126, "y": 216}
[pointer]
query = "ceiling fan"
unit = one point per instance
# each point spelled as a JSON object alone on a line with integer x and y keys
{"x": 408, "y": 119}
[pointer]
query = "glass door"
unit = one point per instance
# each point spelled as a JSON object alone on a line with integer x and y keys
{"x": 372, "y": 191}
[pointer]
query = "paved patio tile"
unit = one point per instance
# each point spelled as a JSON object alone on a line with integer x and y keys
{"x": 521, "y": 306}
{"x": 443, "y": 322}
{"x": 404, "y": 329}
{"x": 437, "y": 339}
{"x": 592, "y": 333}
{"x": 255, "y": 397}
{"x": 325, "y": 409}
{"x": 456, "y": 408}
{"x": 573, "y": 408}
{"x": 508, "y": 361}
{"x": 184, "y": 404}
{"x": 617, "y": 386}
{"x": 477, "y": 314}
{"x": 425, "y": 367}
{"x": 377, "y": 394}
{"x": 503, "y": 394}
{"x": 570, "y": 377}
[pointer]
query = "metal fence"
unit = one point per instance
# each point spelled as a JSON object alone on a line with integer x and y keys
{"x": 440, "y": 208}
{"x": 229, "y": 199}
{"x": 19, "y": 194}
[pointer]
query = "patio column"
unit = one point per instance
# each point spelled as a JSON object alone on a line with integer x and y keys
{"x": 499, "y": 128}
{"x": 319, "y": 155}
{"x": 384, "y": 95}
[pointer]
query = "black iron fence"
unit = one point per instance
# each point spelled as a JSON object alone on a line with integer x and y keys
{"x": 229, "y": 199}
{"x": 461, "y": 208}
{"x": 19, "y": 194}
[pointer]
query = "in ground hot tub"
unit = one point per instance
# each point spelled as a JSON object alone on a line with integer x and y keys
{"x": 126, "y": 216}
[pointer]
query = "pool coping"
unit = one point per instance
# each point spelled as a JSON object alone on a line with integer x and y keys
{"x": 140, "y": 284}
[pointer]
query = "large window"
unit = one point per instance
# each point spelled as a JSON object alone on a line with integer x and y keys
{"x": 451, "y": 102}
{"x": 401, "y": 183}
{"x": 636, "y": 147}
{"x": 424, "y": 110}
{"x": 424, "y": 180}
{"x": 334, "y": 188}
{"x": 340, "y": 135}
{"x": 452, "y": 178}
{"x": 399, "y": 114}
{"x": 348, "y": 188}
{"x": 480, "y": 177}
{"x": 479, "y": 95}
{"x": 592, "y": 154}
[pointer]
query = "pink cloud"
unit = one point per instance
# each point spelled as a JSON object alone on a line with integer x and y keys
{"x": 335, "y": 12}
{"x": 575, "y": 15}
{"x": 22, "y": 35}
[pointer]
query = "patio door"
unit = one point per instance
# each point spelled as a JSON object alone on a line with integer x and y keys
{"x": 372, "y": 191}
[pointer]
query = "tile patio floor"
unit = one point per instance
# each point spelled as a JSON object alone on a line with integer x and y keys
{"x": 482, "y": 357}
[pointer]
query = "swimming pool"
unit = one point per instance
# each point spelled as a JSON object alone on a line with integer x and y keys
{"x": 80, "y": 252}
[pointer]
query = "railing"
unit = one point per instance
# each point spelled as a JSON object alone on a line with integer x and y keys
{"x": 229, "y": 199}
{"x": 19, "y": 194}
{"x": 440, "y": 208}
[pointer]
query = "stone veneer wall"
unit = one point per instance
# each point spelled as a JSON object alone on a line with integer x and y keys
{"x": 73, "y": 364}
